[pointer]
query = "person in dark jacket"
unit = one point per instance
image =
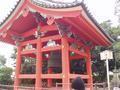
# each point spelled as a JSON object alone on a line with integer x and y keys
{"x": 78, "y": 84}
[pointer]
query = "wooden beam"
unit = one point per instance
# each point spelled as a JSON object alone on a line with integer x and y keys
{"x": 51, "y": 48}
{"x": 46, "y": 28}
{"x": 25, "y": 52}
{"x": 55, "y": 37}
{"x": 30, "y": 55}
{"x": 27, "y": 76}
{"x": 51, "y": 76}
{"x": 78, "y": 52}
{"x": 76, "y": 57}
{"x": 30, "y": 42}
{"x": 72, "y": 76}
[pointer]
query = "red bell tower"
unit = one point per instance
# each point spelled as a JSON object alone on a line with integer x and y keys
{"x": 56, "y": 33}
{"x": 65, "y": 47}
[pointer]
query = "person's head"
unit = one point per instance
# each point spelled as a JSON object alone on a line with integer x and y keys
{"x": 78, "y": 84}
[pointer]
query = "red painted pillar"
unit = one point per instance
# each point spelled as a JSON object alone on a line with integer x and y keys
{"x": 65, "y": 65}
{"x": 18, "y": 68}
{"x": 49, "y": 80}
{"x": 38, "y": 84}
{"x": 89, "y": 69}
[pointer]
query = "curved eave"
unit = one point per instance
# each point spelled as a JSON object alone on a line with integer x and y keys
{"x": 14, "y": 14}
{"x": 74, "y": 12}
{"x": 58, "y": 12}
{"x": 61, "y": 12}
{"x": 10, "y": 14}
{"x": 96, "y": 23}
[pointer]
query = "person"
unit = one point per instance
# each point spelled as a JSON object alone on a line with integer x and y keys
{"x": 78, "y": 84}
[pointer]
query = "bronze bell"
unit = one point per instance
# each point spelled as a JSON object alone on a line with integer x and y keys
{"x": 55, "y": 60}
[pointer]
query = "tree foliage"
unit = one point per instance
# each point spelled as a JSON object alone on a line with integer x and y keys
{"x": 99, "y": 67}
{"x": 5, "y": 72}
{"x": 5, "y": 76}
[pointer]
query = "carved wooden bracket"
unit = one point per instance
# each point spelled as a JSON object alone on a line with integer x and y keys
{"x": 50, "y": 20}
{"x": 25, "y": 12}
{"x": 3, "y": 34}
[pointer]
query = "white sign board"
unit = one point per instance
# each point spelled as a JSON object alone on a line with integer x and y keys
{"x": 107, "y": 54}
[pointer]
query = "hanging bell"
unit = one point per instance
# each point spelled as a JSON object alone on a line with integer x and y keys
{"x": 55, "y": 59}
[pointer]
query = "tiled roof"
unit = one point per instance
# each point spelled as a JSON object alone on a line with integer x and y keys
{"x": 59, "y": 5}
{"x": 10, "y": 13}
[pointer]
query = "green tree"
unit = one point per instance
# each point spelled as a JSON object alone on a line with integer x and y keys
{"x": 99, "y": 67}
{"x": 5, "y": 76}
{"x": 114, "y": 32}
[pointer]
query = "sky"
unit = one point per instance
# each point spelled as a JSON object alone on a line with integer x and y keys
{"x": 101, "y": 10}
